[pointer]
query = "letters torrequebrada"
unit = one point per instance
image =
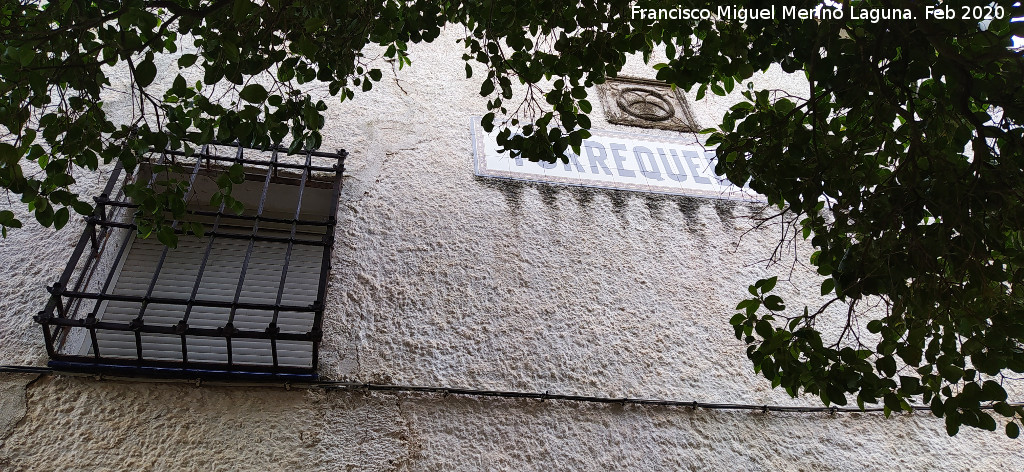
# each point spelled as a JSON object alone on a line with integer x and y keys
{"x": 618, "y": 160}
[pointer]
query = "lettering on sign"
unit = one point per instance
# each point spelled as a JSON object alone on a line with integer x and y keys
{"x": 617, "y": 160}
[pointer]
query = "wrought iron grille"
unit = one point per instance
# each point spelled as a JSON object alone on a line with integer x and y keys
{"x": 245, "y": 298}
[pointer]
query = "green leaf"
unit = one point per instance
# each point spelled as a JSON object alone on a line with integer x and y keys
{"x": 784, "y": 106}
{"x": 25, "y": 55}
{"x": 236, "y": 173}
{"x": 167, "y": 237}
{"x": 993, "y": 391}
{"x": 7, "y": 219}
{"x": 1012, "y": 430}
{"x": 60, "y": 218}
{"x": 1003, "y": 409}
{"x": 774, "y": 303}
{"x": 487, "y": 88}
{"x": 187, "y": 60}
{"x": 886, "y": 365}
{"x": 875, "y": 326}
{"x": 986, "y": 422}
{"x": 827, "y": 286}
{"x": 237, "y": 207}
{"x": 585, "y": 106}
{"x": 253, "y": 93}
{"x": 145, "y": 72}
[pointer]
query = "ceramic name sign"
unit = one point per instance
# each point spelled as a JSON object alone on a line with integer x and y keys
{"x": 617, "y": 160}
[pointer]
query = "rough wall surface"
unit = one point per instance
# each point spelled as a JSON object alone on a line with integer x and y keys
{"x": 442, "y": 278}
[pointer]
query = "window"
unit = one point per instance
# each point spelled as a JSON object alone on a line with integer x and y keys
{"x": 246, "y": 298}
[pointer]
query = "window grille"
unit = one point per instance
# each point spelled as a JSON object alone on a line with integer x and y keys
{"x": 245, "y": 299}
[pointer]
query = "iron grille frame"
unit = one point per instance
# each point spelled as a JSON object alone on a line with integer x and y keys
{"x": 64, "y": 308}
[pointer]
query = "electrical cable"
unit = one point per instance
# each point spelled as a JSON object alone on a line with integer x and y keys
{"x": 508, "y": 394}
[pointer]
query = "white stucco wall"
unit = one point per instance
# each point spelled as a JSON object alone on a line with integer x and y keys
{"x": 442, "y": 278}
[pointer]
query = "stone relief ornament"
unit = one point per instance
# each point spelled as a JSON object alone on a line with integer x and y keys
{"x": 646, "y": 104}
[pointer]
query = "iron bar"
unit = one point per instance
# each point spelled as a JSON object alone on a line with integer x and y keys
{"x": 272, "y": 328}
{"x": 271, "y": 239}
{"x": 173, "y": 329}
{"x": 230, "y": 216}
{"x": 88, "y": 270}
{"x": 91, "y": 317}
{"x": 268, "y": 149}
{"x": 183, "y": 301}
{"x": 325, "y": 265}
{"x": 284, "y": 165}
{"x": 65, "y": 277}
{"x": 229, "y": 327}
{"x": 182, "y": 327}
{"x": 138, "y": 321}
{"x": 110, "y": 186}
{"x": 172, "y": 369}
{"x": 48, "y": 339}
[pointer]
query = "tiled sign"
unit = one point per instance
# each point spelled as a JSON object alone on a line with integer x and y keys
{"x": 617, "y": 160}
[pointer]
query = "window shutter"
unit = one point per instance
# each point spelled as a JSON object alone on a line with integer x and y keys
{"x": 219, "y": 283}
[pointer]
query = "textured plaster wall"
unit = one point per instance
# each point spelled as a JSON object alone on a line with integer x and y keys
{"x": 442, "y": 278}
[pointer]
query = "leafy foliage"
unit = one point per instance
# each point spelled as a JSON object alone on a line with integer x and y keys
{"x": 59, "y": 56}
{"x": 904, "y": 167}
{"x": 901, "y": 162}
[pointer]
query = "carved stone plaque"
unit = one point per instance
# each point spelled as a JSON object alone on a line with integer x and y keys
{"x": 645, "y": 103}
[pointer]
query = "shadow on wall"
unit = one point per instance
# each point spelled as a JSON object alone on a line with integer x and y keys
{"x": 688, "y": 207}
